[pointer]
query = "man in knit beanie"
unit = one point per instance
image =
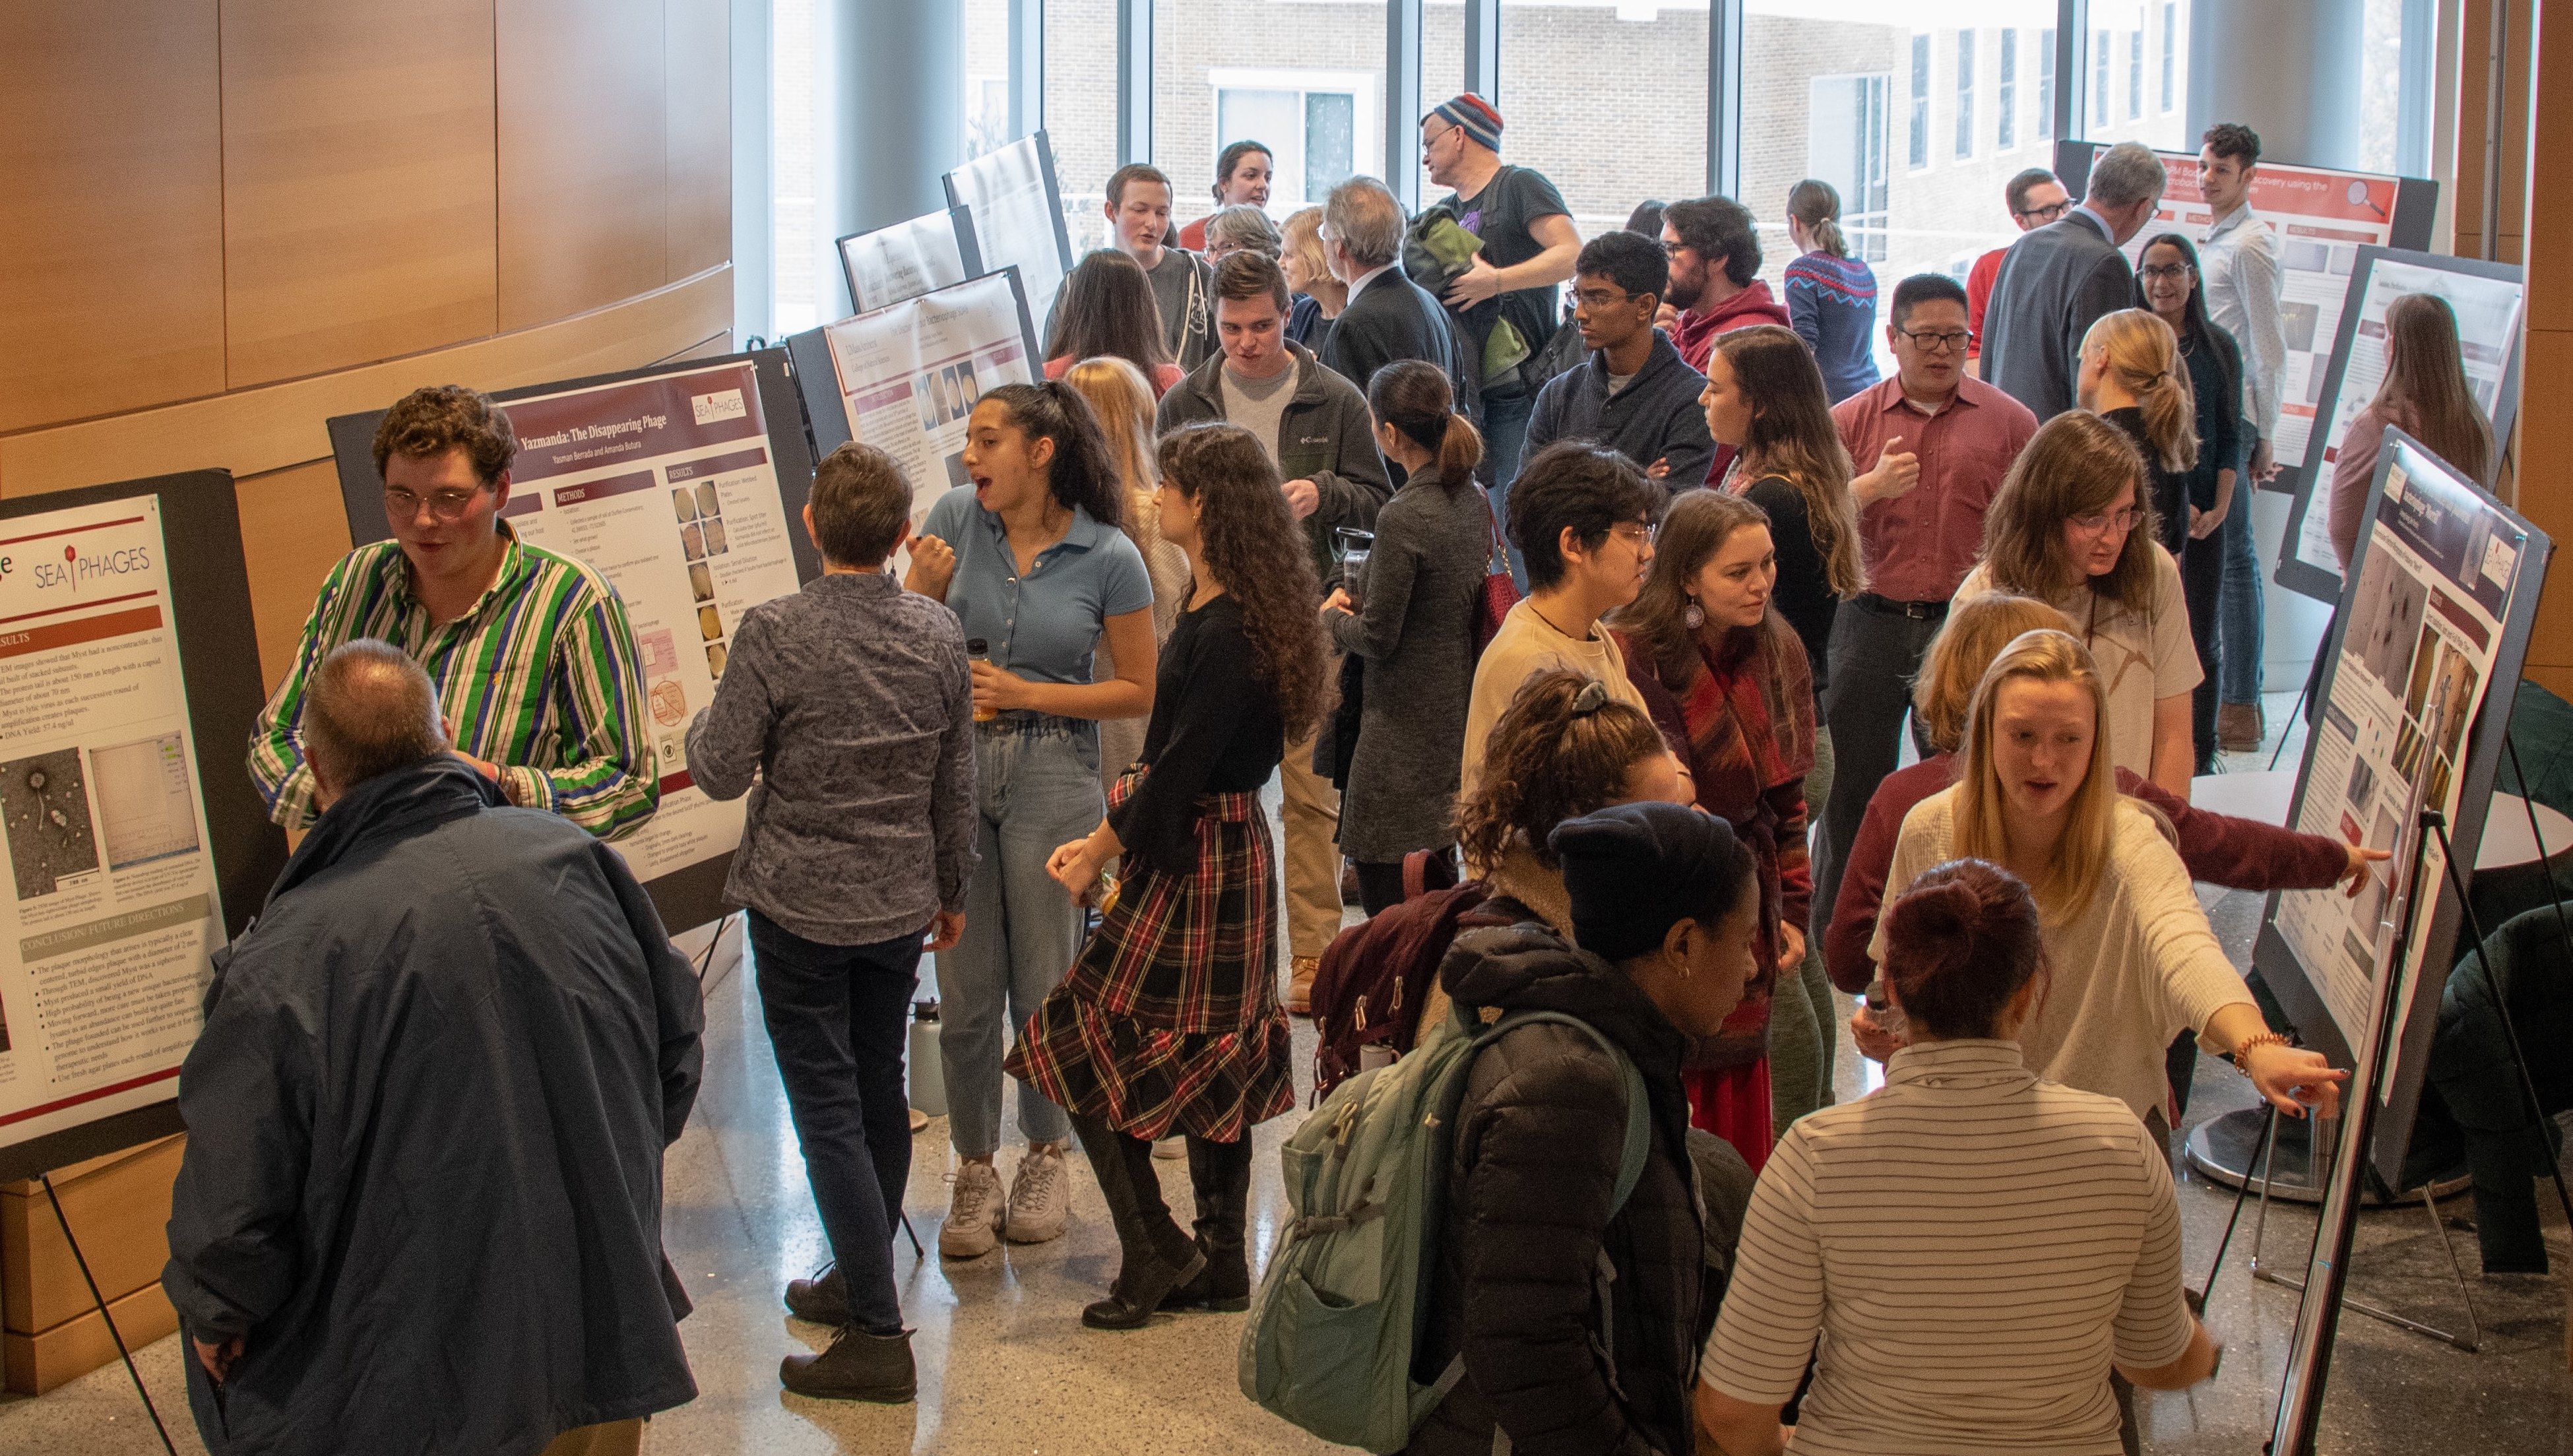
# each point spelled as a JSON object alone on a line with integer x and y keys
{"x": 1528, "y": 245}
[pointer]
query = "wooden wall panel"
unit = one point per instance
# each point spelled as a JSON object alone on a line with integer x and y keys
{"x": 2545, "y": 457}
{"x": 111, "y": 208}
{"x": 583, "y": 156}
{"x": 294, "y": 528}
{"x": 698, "y": 117}
{"x": 2473, "y": 57}
{"x": 360, "y": 183}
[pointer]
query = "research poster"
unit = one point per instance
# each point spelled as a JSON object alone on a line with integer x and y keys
{"x": 2424, "y": 630}
{"x": 2488, "y": 313}
{"x": 666, "y": 486}
{"x": 902, "y": 262}
{"x": 909, "y": 375}
{"x": 2317, "y": 219}
{"x": 113, "y": 907}
{"x": 1009, "y": 195}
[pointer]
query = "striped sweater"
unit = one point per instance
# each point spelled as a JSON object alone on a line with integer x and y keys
{"x": 1831, "y": 304}
{"x": 541, "y": 677}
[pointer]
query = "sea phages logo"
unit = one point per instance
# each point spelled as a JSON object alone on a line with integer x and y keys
{"x": 76, "y": 568}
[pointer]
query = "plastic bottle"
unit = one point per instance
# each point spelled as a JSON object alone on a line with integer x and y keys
{"x": 978, "y": 650}
{"x": 926, "y": 1072}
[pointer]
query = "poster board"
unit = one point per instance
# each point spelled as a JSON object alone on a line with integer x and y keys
{"x": 2318, "y": 217}
{"x": 136, "y": 843}
{"x": 684, "y": 485}
{"x": 2489, "y": 302}
{"x": 1014, "y": 217}
{"x": 2419, "y": 678}
{"x": 889, "y": 264}
{"x": 905, "y": 378}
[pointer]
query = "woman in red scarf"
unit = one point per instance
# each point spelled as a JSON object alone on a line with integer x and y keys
{"x": 1726, "y": 676}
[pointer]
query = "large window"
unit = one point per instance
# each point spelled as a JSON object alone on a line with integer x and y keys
{"x": 2171, "y": 53}
{"x": 2100, "y": 78}
{"x": 1920, "y": 102}
{"x": 986, "y": 77}
{"x": 1937, "y": 206}
{"x": 1965, "y": 94}
{"x": 1611, "y": 109}
{"x": 2006, "y": 94}
{"x": 1304, "y": 78}
{"x": 2134, "y": 74}
{"x": 2046, "y": 85}
{"x": 1081, "y": 112}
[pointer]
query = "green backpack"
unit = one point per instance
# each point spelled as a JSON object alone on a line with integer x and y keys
{"x": 1338, "y": 1314}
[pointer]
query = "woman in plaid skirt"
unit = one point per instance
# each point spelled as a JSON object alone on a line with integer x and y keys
{"x": 1169, "y": 1021}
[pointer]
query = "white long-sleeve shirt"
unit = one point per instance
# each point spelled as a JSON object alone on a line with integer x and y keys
{"x": 2137, "y": 967}
{"x": 2239, "y": 257}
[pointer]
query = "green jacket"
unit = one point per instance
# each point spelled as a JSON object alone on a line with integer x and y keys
{"x": 1326, "y": 436}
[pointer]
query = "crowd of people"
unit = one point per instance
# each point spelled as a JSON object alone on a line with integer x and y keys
{"x": 1617, "y": 614}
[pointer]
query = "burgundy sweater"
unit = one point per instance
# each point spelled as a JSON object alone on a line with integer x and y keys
{"x": 2241, "y": 853}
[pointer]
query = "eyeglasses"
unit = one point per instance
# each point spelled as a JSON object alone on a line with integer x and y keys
{"x": 1633, "y": 532}
{"x": 2105, "y": 520}
{"x": 1436, "y": 137}
{"x": 1600, "y": 298}
{"x": 2044, "y": 214}
{"x": 401, "y": 504}
{"x": 2164, "y": 271}
{"x": 1946, "y": 341}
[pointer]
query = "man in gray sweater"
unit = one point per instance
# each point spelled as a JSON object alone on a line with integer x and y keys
{"x": 846, "y": 712}
{"x": 1318, "y": 429}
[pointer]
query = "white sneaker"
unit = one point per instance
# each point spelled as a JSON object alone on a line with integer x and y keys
{"x": 973, "y": 1212}
{"x": 1040, "y": 1201}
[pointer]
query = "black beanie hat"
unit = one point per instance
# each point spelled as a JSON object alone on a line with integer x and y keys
{"x": 1636, "y": 870}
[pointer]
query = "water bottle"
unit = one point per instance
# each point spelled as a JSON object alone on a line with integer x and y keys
{"x": 928, "y": 1071}
{"x": 976, "y": 650}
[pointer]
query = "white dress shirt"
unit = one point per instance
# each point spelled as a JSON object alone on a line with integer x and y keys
{"x": 2238, "y": 260}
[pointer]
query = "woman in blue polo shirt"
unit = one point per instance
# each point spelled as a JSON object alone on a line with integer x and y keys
{"x": 1030, "y": 557}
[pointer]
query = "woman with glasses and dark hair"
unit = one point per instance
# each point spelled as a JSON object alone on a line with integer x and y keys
{"x": 2167, "y": 284}
{"x": 2073, "y": 528}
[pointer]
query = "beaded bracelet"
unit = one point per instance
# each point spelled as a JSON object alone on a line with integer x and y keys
{"x": 2243, "y": 1050}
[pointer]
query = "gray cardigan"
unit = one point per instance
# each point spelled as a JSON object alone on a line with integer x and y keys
{"x": 1415, "y": 632}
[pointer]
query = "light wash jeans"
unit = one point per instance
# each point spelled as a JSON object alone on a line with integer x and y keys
{"x": 2237, "y": 605}
{"x": 1037, "y": 786}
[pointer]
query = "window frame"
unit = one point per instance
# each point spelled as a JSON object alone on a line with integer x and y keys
{"x": 1917, "y": 135}
{"x": 1366, "y": 131}
{"x": 1967, "y": 62}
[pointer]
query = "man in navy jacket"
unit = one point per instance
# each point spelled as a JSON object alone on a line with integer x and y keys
{"x": 1634, "y": 395}
{"x": 420, "y": 1206}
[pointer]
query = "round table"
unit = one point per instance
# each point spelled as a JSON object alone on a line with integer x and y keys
{"x": 2509, "y": 876}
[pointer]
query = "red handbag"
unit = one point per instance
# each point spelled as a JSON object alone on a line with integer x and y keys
{"x": 1500, "y": 591}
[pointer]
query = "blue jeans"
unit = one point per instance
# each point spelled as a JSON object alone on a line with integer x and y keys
{"x": 1037, "y": 783}
{"x": 1505, "y": 422}
{"x": 2237, "y": 609}
{"x": 838, "y": 1018}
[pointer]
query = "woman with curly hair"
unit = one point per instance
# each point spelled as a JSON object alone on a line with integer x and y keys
{"x": 1169, "y": 1021}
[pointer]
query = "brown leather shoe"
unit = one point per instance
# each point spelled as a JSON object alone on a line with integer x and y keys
{"x": 1299, "y": 984}
{"x": 2239, "y": 727}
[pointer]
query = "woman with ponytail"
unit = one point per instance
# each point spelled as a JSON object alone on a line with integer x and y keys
{"x": 2131, "y": 377}
{"x": 1965, "y": 1207}
{"x": 1168, "y": 1022}
{"x": 1831, "y": 295}
{"x": 1032, "y": 557}
{"x": 1410, "y": 631}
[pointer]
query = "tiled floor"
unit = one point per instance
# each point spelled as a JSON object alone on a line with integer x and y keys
{"x": 1006, "y": 1367}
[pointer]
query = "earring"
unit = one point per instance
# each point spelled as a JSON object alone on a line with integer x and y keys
{"x": 1695, "y": 616}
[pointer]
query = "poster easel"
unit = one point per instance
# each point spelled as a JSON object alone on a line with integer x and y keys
{"x": 209, "y": 617}
{"x": 1013, "y": 206}
{"x": 885, "y": 266}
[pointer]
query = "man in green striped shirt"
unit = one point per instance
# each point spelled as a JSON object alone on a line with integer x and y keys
{"x": 530, "y": 651}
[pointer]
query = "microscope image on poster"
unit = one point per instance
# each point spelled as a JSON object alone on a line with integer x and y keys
{"x": 45, "y": 807}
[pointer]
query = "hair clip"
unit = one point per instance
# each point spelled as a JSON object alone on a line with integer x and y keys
{"x": 1593, "y": 697}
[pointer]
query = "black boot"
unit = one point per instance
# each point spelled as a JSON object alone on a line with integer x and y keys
{"x": 1220, "y": 1175}
{"x": 1157, "y": 1256}
{"x": 823, "y": 1300}
{"x": 857, "y": 1366}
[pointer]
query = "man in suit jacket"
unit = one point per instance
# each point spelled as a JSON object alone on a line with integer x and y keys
{"x": 2059, "y": 279}
{"x": 1388, "y": 317}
